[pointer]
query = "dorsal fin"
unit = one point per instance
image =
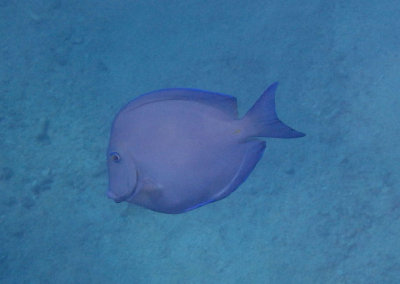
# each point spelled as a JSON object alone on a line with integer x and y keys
{"x": 222, "y": 102}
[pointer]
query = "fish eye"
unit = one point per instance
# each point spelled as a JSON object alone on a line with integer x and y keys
{"x": 115, "y": 157}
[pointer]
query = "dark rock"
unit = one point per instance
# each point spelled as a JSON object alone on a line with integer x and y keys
{"x": 6, "y": 173}
{"x": 10, "y": 202}
{"x": 18, "y": 234}
{"x": 42, "y": 186}
{"x": 43, "y": 136}
{"x": 290, "y": 171}
{"x": 28, "y": 202}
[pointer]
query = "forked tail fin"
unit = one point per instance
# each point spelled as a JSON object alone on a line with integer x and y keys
{"x": 262, "y": 121}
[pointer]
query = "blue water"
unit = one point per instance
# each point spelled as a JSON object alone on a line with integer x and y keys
{"x": 321, "y": 209}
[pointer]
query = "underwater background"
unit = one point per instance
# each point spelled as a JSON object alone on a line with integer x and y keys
{"x": 321, "y": 209}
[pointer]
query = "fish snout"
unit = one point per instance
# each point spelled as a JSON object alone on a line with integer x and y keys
{"x": 112, "y": 196}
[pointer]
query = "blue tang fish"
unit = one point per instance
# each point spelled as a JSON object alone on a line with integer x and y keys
{"x": 175, "y": 150}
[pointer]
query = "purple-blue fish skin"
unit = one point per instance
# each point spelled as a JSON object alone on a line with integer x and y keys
{"x": 174, "y": 150}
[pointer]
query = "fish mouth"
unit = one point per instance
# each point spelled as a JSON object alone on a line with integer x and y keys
{"x": 118, "y": 200}
{"x": 112, "y": 196}
{"x": 123, "y": 198}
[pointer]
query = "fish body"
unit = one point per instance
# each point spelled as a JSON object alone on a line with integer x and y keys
{"x": 175, "y": 150}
